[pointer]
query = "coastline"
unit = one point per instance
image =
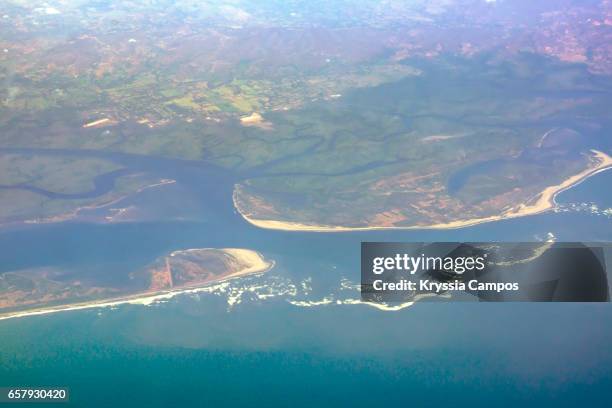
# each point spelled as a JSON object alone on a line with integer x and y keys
{"x": 258, "y": 264}
{"x": 545, "y": 201}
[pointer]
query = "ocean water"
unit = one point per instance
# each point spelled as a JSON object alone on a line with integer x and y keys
{"x": 297, "y": 336}
{"x": 485, "y": 355}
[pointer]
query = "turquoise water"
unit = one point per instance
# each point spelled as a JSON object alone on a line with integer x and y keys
{"x": 272, "y": 356}
{"x": 198, "y": 350}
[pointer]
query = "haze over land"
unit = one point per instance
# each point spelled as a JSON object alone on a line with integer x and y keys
{"x": 186, "y": 187}
{"x": 316, "y": 116}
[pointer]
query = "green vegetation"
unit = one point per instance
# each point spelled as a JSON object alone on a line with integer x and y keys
{"x": 329, "y": 113}
{"x": 59, "y": 175}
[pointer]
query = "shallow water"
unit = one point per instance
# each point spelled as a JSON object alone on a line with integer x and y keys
{"x": 268, "y": 348}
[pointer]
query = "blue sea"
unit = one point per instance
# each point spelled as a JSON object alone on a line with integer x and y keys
{"x": 297, "y": 335}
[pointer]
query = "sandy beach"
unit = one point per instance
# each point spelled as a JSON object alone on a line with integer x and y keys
{"x": 255, "y": 261}
{"x": 543, "y": 202}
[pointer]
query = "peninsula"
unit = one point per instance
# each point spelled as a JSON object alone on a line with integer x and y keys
{"x": 183, "y": 271}
{"x": 542, "y": 202}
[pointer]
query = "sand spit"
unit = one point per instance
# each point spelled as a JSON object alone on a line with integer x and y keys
{"x": 256, "y": 264}
{"x": 543, "y": 202}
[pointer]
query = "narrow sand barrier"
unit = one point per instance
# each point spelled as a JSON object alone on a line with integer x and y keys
{"x": 543, "y": 202}
{"x": 255, "y": 262}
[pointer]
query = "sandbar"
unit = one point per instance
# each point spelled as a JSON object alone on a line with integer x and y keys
{"x": 254, "y": 261}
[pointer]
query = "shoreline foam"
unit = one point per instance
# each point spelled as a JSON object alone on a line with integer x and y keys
{"x": 545, "y": 202}
{"x": 258, "y": 264}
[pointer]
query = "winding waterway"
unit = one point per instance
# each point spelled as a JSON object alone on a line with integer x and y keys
{"x": 195, "y": 344}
